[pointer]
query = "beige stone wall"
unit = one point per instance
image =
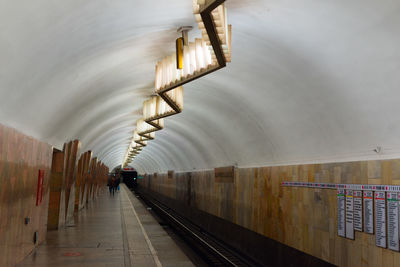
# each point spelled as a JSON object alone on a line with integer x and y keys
{"x": 302, "y": 218}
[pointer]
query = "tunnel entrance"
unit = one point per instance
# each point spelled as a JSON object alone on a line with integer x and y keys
{"x": 129, "y": 177}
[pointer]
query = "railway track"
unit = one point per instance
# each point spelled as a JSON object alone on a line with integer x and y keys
{"x": 213, "y": 251}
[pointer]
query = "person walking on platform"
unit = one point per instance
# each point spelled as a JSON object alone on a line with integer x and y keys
{"x": 109, "y": 182}
{"x": 117, "y": 182}
{"x": 111, "y": 185}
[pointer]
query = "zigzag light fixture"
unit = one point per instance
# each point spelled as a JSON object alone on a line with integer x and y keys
{"x": 191, "y": 61}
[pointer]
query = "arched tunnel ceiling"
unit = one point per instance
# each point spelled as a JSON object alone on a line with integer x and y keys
{"x": 309, "y": 80}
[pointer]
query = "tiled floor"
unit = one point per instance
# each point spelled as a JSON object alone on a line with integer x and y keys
{"x": 112, "y": 231}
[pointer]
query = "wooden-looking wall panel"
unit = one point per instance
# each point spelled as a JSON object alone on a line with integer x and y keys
{"x": 56, "y": 182}
{"x": 90, "y": 180}
{"x": 224, "y": 174}
{"x": 21, "y": 158}
{"x": 98, "y": 173}
{"x": 303, "y": 218}
{"x": 181, "y": 188}
{"x": 71, "y": 172}
{"x": 85, "y": 179}
{"x": 78, "y": 181}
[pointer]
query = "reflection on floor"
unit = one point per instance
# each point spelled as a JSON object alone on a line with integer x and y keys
{"x": 112, "y": 231}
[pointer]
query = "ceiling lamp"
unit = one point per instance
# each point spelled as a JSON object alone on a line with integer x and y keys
{"x": 141, "y": 140}
{"x": 190, "y": 61}
{"x": 220, "y": 19}
{"x": 131, "y": 153}
{"x": 147, "y": 131}
{"x": 202, "y": 56}
{"x": 196, "y": 60}
{"x": 157, "y": 108}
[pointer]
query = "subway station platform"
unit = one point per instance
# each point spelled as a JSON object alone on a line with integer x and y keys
{"x": 113, "y": 231}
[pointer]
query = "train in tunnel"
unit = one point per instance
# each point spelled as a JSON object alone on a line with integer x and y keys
{"x": 129, "y": 177}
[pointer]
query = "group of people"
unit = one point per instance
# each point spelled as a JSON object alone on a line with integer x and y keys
{"x": 113, "y": 183}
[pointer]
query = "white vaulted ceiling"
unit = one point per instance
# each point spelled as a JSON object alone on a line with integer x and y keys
{"x": 309, "y": 80}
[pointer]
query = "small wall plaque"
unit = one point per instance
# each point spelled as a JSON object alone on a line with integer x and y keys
{"x": 224, "y": 174}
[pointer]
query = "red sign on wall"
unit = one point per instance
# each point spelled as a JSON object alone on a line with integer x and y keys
{"x": 39, "y": 192}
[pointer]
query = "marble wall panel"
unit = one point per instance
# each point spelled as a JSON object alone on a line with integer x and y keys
{"x": 21, "y": 158}
{"x": 302, "y": 218}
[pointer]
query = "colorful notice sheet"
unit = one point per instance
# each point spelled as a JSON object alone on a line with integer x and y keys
{"x": 380, "y": 219}
{"x": 349, "y": 214}
{"x": 393, "y": 220}
{"x": 341, "y": 206}
{"x": 358, "y": 211}
{"x": 369, "y": 212}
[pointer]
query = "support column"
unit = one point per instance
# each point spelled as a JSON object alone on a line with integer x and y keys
{"x": 56, "y": 206}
